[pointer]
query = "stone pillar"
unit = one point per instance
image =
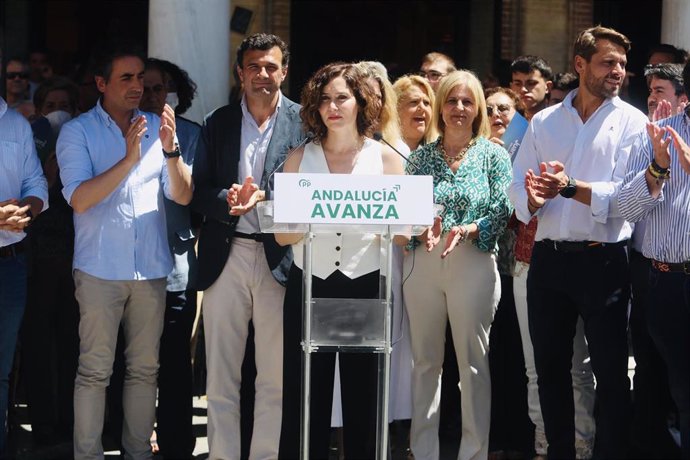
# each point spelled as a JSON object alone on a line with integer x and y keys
{"x": 674, "y": 23}
{"x": 195, "y": 35}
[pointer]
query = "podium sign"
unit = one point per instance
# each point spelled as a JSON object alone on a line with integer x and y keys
{"x": 353, "y": 199}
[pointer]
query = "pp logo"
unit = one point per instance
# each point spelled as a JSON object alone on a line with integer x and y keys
{"x": 304, "y": 183}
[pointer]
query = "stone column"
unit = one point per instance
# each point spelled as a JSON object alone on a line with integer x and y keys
{"x": 674, "y": 23}
{"x": 195, "y": 35}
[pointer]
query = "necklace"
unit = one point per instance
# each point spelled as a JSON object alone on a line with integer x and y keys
{"x": 457, "y": 157}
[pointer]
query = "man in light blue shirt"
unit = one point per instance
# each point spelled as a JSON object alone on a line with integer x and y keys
{"x": 23, "y": 194}
{"x": 116, "y": 164}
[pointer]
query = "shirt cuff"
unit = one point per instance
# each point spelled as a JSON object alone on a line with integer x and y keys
{"x": 601, "y": 197}
{"x": 640, "y": 191}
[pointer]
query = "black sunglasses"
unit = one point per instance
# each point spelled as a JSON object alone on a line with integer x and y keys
{"x": 14, "y": 75}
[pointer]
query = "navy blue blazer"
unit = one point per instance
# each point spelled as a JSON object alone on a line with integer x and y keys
{"x": 216, "y": 166}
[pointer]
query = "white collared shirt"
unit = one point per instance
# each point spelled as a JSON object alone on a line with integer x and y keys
{"x": 21, "y": 174}
{"x": 596, "y": 152}
{"x": 253, "y": 147}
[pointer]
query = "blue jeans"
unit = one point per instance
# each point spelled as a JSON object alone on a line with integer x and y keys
{"x": 12, "y": 299}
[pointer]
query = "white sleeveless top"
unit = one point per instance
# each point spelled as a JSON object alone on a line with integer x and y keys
{"x": 353, "y": 254}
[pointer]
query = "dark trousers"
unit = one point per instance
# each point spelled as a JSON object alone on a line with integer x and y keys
{"x": 358, "y": 374}
{"x": 651, "y": 396}
{"x": 560, "y": 287}
{"x": 51, "y": 348}
{"x": 511, "y": 427}
{"x": 669, "y": 325}
{"x": 174, "y": 427}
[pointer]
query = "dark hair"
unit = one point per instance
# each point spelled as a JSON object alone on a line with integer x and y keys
{"x": 263, "y": 42}
{"x": 367, "y": 103}
{"x": 686, "y": 77}
{"x": 103, "y": 63}
{"x": 57, "y": 84}
{"x": 517, "y": 102}
{"x": 565, "y": 81}
{"x": 679, "y": 55}
{"x": 666, "y": 71}
{"x": 177, "y": 77}
{"x": 529, "y": 63}
{"x": 586, "y": 42}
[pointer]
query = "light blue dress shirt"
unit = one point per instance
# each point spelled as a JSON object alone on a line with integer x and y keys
{"x": 21, "y": 174}
{"x": 124, "y": 236}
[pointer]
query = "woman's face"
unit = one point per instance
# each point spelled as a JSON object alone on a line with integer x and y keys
{"x": 459, "y": 109}
{"x": 501, "y": 110}
{"x": 338, "y": 107}
{"x": 415, "y": 113}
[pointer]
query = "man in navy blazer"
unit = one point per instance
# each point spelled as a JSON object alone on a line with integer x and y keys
{"x": 241, "y": 270}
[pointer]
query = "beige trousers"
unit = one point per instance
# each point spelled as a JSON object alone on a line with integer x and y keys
{"x": 103, "y": 305}
{"x": 245, "y": 290}
{"x": 463, "y": 288}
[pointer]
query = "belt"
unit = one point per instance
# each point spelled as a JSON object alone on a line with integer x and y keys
{"x": 258, "y": 237}
{"x": 578, "y": 246}
{"x": 681, "y": 267}
{"x": 12, "y": 250}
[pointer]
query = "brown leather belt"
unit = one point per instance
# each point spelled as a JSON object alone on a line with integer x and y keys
{"x": 665, "y": 267}
{"x": 12, "y": 250}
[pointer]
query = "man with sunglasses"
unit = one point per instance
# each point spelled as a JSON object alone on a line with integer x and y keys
{"x": 17, "y": 87}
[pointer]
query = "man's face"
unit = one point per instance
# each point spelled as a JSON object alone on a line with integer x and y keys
{"x": 155, "y": 92}
{"x": 603, "y": 75}
{"x": 124, "y": 88}
{"x": 557, "y": 96}
{"x": 531, "y": 87}
{"x": 433, "y": 72}
{"x": 58, "y": 99}
{"x": 262, "y": 72}
{"x": 38, "y": 65}
{"x": 659, "y": 90}
{"x": 17, "y": 78}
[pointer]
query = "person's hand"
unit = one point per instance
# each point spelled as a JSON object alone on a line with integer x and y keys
{"x": 242, "y": 198}
{"x": 660, "y": 142}
{"x": 663, "y": 110}
{"x": 454, "y": 236}
{"x": 17, "y": 221}
{"x": 549, "y": 184}
{"x": 682, "y": 149}
{"x": 534, "y": 199}
{"x": 166, "y": 133}
{"x": 432, "y": 235}
{"x": 133, "y": 139}
{"x": 7, "y": 208}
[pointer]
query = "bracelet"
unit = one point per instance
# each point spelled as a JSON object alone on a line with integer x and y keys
{"x": 658, "y": 169}
{"x": 657, "y": 172}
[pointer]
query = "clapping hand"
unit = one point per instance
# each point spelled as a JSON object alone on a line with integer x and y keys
{"x": 13, "y": 217}
{"x": 242, "y": 198}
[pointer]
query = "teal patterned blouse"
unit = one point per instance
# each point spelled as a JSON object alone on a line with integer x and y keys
{"x": 475, "y": 193}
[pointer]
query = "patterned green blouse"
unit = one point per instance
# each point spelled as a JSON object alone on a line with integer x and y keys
{"x": 475, "y": 193}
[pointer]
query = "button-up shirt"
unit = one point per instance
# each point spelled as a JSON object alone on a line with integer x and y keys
{"x": 124, "y": 236}
{"x": 596, "y": 152}
{"x": 253, "y": 146}
{"x": 475, "y": 193}
{"x": 21, "y": 174}
{"x": 667, "y": 235}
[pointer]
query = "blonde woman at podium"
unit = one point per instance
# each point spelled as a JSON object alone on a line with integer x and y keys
{"x": 451, "y": 271}
{"x": 341, "y": 110}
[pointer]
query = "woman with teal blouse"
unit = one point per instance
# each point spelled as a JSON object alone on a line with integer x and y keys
{"x": 450, "y": 274}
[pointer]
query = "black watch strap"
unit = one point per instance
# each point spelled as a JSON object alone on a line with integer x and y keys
{"x": 569, "y": 190}
{"x": 174, "y": 154}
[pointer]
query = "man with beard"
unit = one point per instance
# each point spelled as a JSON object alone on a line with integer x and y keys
{"x": 568, "y": 171}
{"x": 531, "y": 80}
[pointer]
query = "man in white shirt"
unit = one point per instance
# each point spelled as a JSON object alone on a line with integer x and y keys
{"x": 568, "y": 171}
{"x": 23, "y": 194}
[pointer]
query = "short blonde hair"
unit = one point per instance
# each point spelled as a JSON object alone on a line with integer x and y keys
{"x": 480, "y": 125}
{"x": 402, "y": 85}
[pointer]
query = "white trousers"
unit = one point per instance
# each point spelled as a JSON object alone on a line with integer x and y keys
{"x": 245, "y": 290}
{"x": 581, "y": 371}
{"x": 464, "y": 289}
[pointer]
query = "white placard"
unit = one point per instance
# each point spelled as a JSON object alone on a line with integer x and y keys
{"x": 353, "y": 199}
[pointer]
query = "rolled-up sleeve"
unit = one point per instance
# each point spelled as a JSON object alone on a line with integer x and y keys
{"x": 634, "y": 199}
{"x": 73, "y": 158}
{"x": 33, "y": 181}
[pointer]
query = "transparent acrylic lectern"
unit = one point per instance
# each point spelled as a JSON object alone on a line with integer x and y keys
{"x": 345, "y": 325}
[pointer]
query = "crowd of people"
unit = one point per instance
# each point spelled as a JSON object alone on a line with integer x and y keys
{"x": 561, "y": 203}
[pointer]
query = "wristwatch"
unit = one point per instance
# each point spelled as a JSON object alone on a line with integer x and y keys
{"x": 569, "y": 190}
{"x": 174, "y": 154}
